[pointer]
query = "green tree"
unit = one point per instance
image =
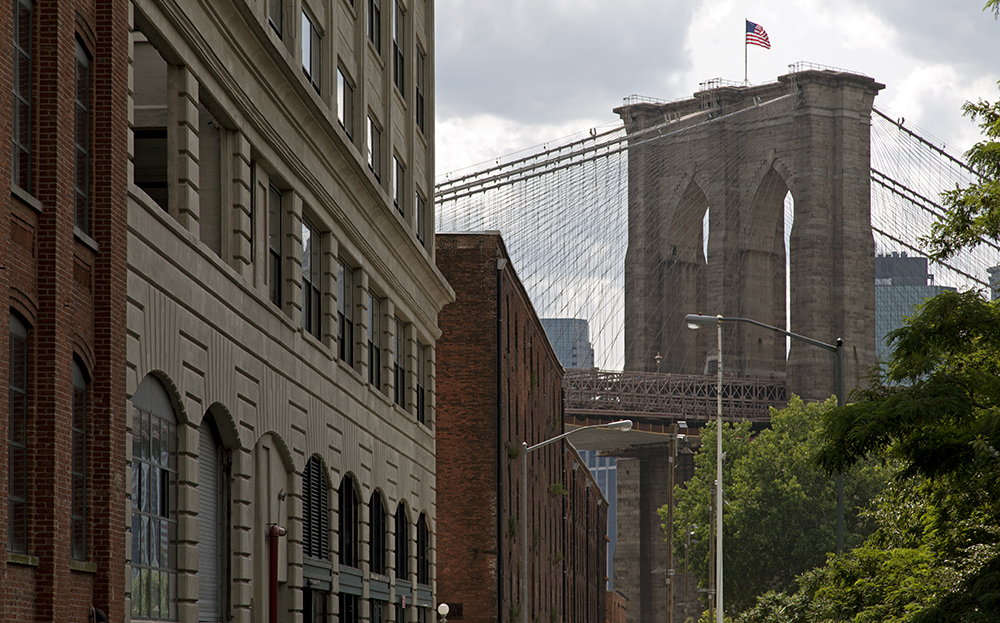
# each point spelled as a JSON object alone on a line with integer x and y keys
{"x": 934, "y": 409}
{"x": 895, "y": 576}
{"x": 780, "y": 513}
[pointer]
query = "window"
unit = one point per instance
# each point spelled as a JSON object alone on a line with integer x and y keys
{"x": 375, "y": 24}
{"x": 397, "y": 183}
{"x": 349, "y": 611}
{"x": 315, "y": 513}
{"x": 377, "y": 530}
{"x": 274, "y": 242}
{"x": 398, "y": 62}
{"x": 149, "y": 131}
{"x": 374, "y": 340}
{"x": 345, "y": 312}
{"x": 399, "y": 364}
{"x": 275, "y": 9}
{"x": 314, "y": 606}
{"x": 419, "y": 216}
{"x": 345, "y": 103}
{"x": 315, "y": 541}
{"x": 154, "y": 512}
{"x": 22, "y": 132}
{"x": 420, "y": 84}
{"x": 423, "y": 551}
{"x": 311, "y": 293}
{"x": 421, "y": 405}
{"x": 82, "y": 140}
{"x": 311, "y": 51}
{"x": 402, "y": 557}
{"x": 376, "y": 611}
{"x": 348, "y": 523}
{"x": 213, "y": 547}
{"x": 17, "y": 445}
{"x": 374, "y": 148}
{"x": 78, "y": 512}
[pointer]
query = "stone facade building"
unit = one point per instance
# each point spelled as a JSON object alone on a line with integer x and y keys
{"x": 223, "y": 302}
{"x": 499, "y": 384}
{"x": 62, "y": 273}
{"x": 282, "y": 310}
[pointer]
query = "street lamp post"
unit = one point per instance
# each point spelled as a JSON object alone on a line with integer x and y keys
{"x": 622, "y": 425}
{"x": 696, "y": 320}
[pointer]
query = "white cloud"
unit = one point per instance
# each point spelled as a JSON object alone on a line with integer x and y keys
{"x": 517, "y": 73}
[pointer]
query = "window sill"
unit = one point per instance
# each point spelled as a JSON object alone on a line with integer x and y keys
{"x": 375, "y": 53}
{"x": 83, "y": 566}
{"x": 351, "y": 8}
{"x": 26, "y": 197}
{"x": 22, "y": 559}
{"x": 83, "y": 237}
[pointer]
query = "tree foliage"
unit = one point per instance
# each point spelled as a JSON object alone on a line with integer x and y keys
{"x": 935, "y": 409}
{"x": 780, "y": 513}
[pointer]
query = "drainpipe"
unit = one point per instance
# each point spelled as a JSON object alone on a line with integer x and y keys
{"x": 274, "y": 532}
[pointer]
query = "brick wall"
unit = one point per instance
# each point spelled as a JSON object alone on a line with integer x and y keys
{"x": 500, "y": 384}
{"x": 69, "y": 289}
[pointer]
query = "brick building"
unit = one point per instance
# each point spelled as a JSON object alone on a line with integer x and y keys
{"x": 499, "y": 383}
{"x": 62, "y": 272}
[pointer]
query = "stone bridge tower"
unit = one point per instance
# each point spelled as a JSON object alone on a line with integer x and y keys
{"x": 734, "y": 153}
{"x": 727, "y": 158}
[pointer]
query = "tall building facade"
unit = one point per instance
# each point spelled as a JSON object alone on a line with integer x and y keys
{"x": 62, "y": 273}
{"x": 570, "y": 339}
{"x": 994, "y": 281}
{"x": 282, "y": 311}
{"x": 901, "y": 283}
{"x": 499, "y": 384}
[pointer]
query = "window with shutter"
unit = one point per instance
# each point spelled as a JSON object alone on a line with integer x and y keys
{"x": 211, "y": 524}
{"x": 348, "y": 523}
{"x": 315, "y": 539}
{"x": 423, "y": 551}
{"x": 401, "y": 537}
{"x": 377, "y": 526}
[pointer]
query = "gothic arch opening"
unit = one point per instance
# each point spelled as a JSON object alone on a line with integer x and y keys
{"x": 762, "y": 270}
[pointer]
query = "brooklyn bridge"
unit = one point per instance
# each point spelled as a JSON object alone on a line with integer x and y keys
{"x": 769, "y": 202}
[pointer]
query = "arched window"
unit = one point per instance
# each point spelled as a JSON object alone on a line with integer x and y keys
{"x": 377, "y": 529}
{"x": 213, "y": 544}
{"x": 154, "y": 506}
{"x": 78, "y": 513}
{"x": 402, "y": 555}
{"x": 348, "y": 523}
{"x": 315, "y": 541}
{"x": 423, "y": 551}
{"x": 17, "y": 444}
{"x": 315, "y": 511}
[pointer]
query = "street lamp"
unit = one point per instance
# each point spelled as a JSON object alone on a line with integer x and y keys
{"x": 696, "y": 320}
{"x": 622, "y": 425}
{"x": 693, "y": 322}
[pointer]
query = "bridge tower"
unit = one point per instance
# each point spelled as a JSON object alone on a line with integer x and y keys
{"x": 734, "y": 152}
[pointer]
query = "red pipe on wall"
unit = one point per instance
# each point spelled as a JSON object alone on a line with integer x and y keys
{"x": 273, "y": 533}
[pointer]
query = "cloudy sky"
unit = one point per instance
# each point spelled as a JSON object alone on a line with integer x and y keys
{"x": 514, "y": 74}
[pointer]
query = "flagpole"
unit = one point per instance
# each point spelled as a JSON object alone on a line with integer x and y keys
{"x": 746, "y": 81}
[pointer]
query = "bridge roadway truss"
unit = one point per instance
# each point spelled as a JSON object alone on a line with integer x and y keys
{"x": 650, "y": 396}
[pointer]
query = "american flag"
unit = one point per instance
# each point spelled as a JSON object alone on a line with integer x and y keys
{"x": 757, "y": 36}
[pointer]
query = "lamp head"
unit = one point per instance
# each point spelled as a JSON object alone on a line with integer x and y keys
{"x": 443, "y": 609}
{"x": 695, "y": 321}
{"x": 622, "y": 425}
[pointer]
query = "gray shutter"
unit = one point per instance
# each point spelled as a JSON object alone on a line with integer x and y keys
{"x": 209, "y": 525}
